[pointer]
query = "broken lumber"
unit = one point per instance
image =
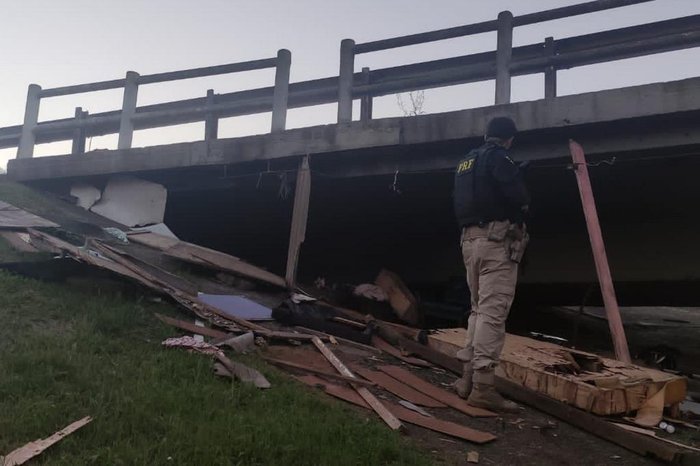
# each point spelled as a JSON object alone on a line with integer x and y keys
{"x": 395, "y": 352}
{"x": 431, "y": 423}
{"x": 242, "y": 372}
{"x": 450, "y": 399}
{"x": 300, "y": 214}
{"x": 612, "y": 387}
{"x": 399, "y": 389}
{"x": 400, "y": 297}
{"x": 645, "y": 446}
{"x": 192, "y": 328}
{"x": 330, "y": 375}
{"x": 366, "y": 395}
{"x": 32, "y": 449}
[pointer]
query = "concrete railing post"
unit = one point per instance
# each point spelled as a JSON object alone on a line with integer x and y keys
{"x": 504, "y": 52}
{"x": 550, "y": 73}
{"x": 281, "y": 93}
{"x": 366, "y": 101}
{"x": 211, "y": 121}
{"x": 126, "y": 126}
{"x": 345, "y": 76}
{"x": 78, "y": 146}
{"x": 25, "y": 149}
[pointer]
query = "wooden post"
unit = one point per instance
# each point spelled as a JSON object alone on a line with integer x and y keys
{"x": 300, "y": 215}
{"x": 25, "y": 149}
{"x": 126, "y": 126}
{"x": 78, "y": 146}
{"x": 345, "y": 76}
{"x": 281, "y": 92}
{"x": 601, "y": 259}
{"x": 366, "y": 101}
{"x": 550, "y": 74}
{"x": 504, "y": 52}
{"x": 211, "y": 122}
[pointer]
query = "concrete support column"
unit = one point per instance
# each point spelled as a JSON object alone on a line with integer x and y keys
{"x": 347, "y": 70}
{"x": 280, "y": 96}
{"x": 79, "y": 132}
{"x": 126, "y": 126}
{"x": 31, "y": 120}
{"x": 366, "y": 101}
{"x": 504, "y": 52}
{"x": 550, "y": 74}
{"x": 211, "y": 122}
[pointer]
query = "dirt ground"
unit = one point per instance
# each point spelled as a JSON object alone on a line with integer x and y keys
{"x": 526, "y": 438}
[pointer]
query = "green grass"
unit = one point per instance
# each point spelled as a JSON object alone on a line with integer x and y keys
{"x": 65, "y": 354}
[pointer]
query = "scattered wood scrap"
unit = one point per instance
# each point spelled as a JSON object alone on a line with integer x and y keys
{"x": 432, "y": 423}
{"x": 399, "y": 389}
{"x": 450, "y": 399}
{"x": 35, "y": 448}
{"x": 14, "y": 217}
{"x": 330, "y": 375}
{"x": 192, "y": 328}
{"x": 242, "y": 372}
{"x": 389, "y": 349}
{"x": 366, "y": 395}
{"x": 400, "y": 297}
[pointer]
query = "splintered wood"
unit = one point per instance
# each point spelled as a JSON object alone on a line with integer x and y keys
{"x": 598, "y": 385}
{"x": 32, "y": 449}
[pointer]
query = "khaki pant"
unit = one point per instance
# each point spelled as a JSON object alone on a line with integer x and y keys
{"x": 491, "y": 276}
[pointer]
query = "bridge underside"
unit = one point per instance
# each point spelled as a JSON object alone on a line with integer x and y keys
{"x": 381, "y": 192}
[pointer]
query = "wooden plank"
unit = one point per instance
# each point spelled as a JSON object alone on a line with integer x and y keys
{"x": 32, "y": 449}
{"x": 192, "y": 328}
{"x": 366, "y": 395}
{"x": 300, "y": 214}
{"x": 330, "y": 375}
{"x": 399, "y": 389}
{"x": 450, "y": 399}
{"x": 14, "y": 217}
{"x": 387, "y": 348}
{"x": 324, "y": 336}
{"x": 590, "y": 423}
{"x": 607, "y": 288}
{"x": 400, "y": 297}
{"x": 434, "y": 424}
{"x": 16, "y": 241}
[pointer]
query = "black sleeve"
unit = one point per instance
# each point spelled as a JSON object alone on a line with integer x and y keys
{"x": 509, "y": 179}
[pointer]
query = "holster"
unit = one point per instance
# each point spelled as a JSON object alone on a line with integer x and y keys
{"x": 519, "y": 238}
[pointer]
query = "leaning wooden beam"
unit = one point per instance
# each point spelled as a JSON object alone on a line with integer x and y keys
{"x": 607, "y": 289}
{"x": 366, "y": 395}
{"x": 200, "y": 255}
{"x": 645, "y": 446}
{"x": 32, "y": 449}
{"x": 300, "y": 214}
{"x": 330, "y": 375}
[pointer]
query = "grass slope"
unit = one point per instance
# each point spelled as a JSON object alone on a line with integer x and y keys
{"x": 65, "y": 354}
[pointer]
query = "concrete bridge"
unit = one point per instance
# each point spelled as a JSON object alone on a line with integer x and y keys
{"x": 381, "y": 193}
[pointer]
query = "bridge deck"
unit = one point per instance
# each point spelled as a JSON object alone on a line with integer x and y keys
{"x": 660, "y": 115}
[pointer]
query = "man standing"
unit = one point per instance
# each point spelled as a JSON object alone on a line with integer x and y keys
{"x": 490, "y": 201}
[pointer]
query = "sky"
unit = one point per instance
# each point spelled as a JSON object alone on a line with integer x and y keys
{"x": 62, "y": 42}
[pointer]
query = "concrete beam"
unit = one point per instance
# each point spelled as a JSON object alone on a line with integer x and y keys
{"x": 654, "y": 101}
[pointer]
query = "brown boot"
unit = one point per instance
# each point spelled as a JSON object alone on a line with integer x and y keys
{"x": 463, "y": 386}
{"x": 484, "y": 394}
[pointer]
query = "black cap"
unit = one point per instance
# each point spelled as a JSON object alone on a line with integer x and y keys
{"x": 501, "y": 128}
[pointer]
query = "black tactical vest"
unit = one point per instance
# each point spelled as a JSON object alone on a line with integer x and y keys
{"x": 477, "y": 198}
